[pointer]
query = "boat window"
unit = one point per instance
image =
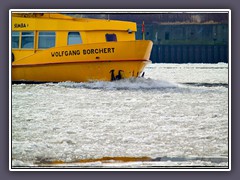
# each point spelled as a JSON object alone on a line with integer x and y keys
{"x": 46, "y": 39}
{"x": 15, "y": 39}
{"x": 111, "y": 37}
{"x": 27, "y": 40}
{"x": 74, "y": 38}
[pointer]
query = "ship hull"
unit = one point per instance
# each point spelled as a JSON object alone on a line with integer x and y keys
{"x": 79, "y": 72}
{"x": 86, "y": 62}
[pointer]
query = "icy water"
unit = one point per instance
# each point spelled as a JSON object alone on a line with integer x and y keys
{"x": 175, "y": 117}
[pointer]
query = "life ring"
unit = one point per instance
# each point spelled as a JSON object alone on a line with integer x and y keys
{"x": 13, "y": 57}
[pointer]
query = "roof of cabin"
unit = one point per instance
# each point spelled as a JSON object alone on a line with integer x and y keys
{"x": 39, "y": 21}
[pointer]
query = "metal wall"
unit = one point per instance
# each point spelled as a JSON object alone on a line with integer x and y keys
{"x": 189, "y": 54}
{"x": 187, "y": 43}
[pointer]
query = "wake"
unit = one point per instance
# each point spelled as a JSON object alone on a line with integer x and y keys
{"x": 124, "y": 84}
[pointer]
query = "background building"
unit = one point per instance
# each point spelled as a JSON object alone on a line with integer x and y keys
{"x": 180, "y": 37}
{"x": 188, "y": 42}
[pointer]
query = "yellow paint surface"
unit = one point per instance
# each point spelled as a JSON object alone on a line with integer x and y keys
{"x": 91, "y": 60}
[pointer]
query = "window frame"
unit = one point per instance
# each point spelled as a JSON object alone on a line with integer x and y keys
{"x": 69, "y": 36}
{"x": 167, "y": 36}
{"x": 39, "y": 46}
{"x": 27, "y": 36}
{"x": 19, "y": 40}
{"x": 111, "y": 37}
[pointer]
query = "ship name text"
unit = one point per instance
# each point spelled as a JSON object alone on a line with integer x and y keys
{"x": 20, "y": 25}
{"x": 83, "y": 52}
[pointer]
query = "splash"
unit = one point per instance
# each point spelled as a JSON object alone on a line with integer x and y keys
{"x": 124, "y": 84}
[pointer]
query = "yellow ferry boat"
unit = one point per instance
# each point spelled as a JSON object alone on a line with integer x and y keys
{"x": 52, "y": 47}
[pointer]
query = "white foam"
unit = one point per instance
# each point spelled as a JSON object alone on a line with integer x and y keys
{"x": 128, "y": 84}
{"x": 128, "y": 118}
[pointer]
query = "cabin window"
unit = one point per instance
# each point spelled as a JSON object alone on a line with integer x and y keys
{"x": 74, "y": 38}
{"x": 111, "y": 37}
{"x": 15, "y": 39}
{"x": 27, "y": 40}
{"x": 46, "y": 40}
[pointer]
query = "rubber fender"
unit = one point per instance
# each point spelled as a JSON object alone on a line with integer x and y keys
{"x": 13, "y": 58}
